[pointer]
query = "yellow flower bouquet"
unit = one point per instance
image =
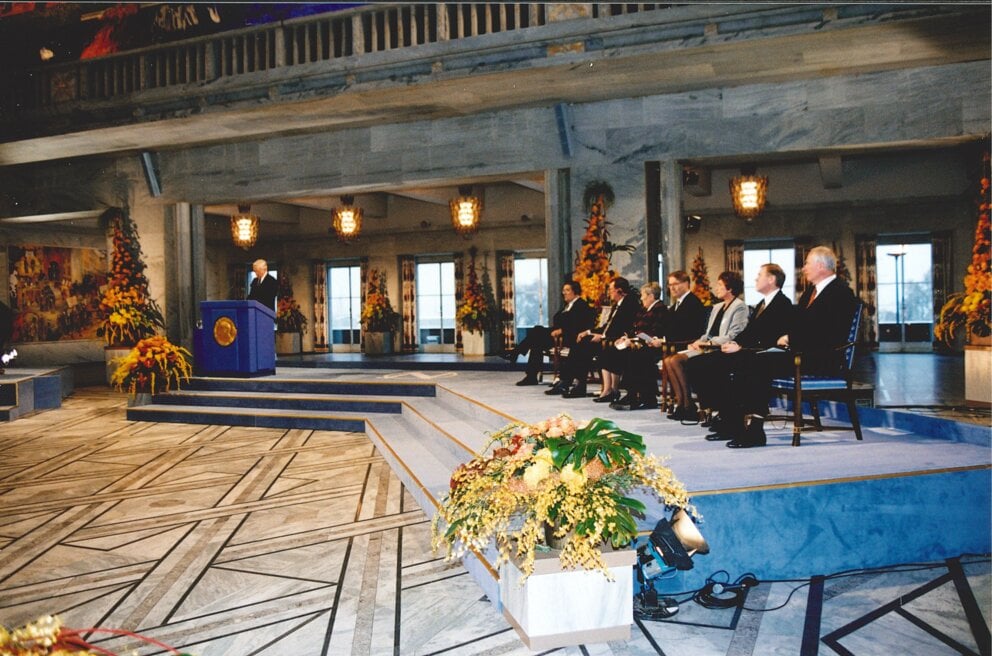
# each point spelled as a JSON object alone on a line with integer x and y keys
{"x": 154, "y": 365}
{"x": 972, "y": 308}
{"x": 378, "y": 315}
{"x": 557, "y": 477}
{"x": 477, "y": 312}
{"x": 47, "y": 636}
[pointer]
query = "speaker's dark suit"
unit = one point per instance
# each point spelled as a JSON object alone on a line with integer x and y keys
{"x": 264, "y": 290}
{"x": 688, "y": 321}
{"x": 710, "y": 372}
{"x": 572, "y": 320}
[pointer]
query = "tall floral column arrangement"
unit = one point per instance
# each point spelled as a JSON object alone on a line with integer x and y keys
{"x": 701, "y": 279}
{"x": 592, "y": 261}
{"x": 130, "y": 313}
{"x": 379, "y": 320}
{"x": 972, "y": 308}
{"x": 476, "y": 315}
{"x": 290, "y": 321}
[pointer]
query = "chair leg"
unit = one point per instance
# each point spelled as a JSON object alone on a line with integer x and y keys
{"x": 852, "y": 411}
{"x": 814, "y": 409}
{"x": 797, "y": 416}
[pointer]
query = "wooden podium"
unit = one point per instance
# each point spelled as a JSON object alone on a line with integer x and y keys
{"x": 237, "y": 339}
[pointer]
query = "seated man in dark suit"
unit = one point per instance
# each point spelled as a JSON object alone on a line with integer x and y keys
{"x": 687, "y": 315}
{"x": 640, "y": 368}
{"x": 820, "y": 326}
{"x": 591, "y": 343}
{"x": 574, "y": 316}
{"x": 771, "y": 318}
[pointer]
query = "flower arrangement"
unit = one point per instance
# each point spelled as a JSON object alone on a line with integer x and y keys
{"x": 701, "y": 279}
{"x": 152, "y": 366}
{"x": 289, "y": 318}
{"x": 972, "y": 308}
{"x": 592, "y": 266}
{"x": 46, "y": 636}
{"x": 378, "y": 315}
{"x": 476, "y": 314}
{"x": 571, "y": 477}
{"x": 130, "y": 314}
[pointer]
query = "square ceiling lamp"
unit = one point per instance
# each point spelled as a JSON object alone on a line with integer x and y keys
{"x": 748, "y": 193}
{"x": 466, "y": 210}
{"x": 244, "y": 227}
{"x": 346, "y": 221}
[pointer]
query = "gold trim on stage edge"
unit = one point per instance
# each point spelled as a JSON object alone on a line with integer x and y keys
{"x": 225, "y": 331}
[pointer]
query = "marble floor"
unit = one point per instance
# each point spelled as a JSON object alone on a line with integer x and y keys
{"x": 231, "y": 541}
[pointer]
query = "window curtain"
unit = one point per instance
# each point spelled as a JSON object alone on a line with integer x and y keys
{"x": 866, "y": 287}
{"x": 320, "y": 307}
{"x": 363, "y": 268}
{"x": 408, "y": 267}
{"x": 504, "y": 290}
{"x": 943, "y": 272}
{"x": 733, "y": 255}
{"x": 459, "y": 296}
{"x": 802, "y": 246}
{"x": 236, "y": 275}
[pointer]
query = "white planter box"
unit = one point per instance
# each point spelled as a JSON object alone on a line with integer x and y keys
{"x": 978, "y": 374}
{"x": 378, "y": 343}
{"x": 475, "y": 343}
{"x": 557, "y": 608}
{"x": 288, "y": 343}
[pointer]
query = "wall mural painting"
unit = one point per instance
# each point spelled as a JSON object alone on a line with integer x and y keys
{"x": 55, "y": 292}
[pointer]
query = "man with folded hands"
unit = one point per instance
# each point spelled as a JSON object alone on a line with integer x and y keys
{"x": 769, "y": 320}
{"x": 818, "y": 330}
{"x": 574, "y": 316}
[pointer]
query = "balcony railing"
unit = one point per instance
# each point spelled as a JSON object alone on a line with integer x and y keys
{"x": 378, "y": 28}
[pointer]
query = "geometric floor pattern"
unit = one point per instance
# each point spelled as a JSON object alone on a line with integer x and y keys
{"x": 231, "y": 541}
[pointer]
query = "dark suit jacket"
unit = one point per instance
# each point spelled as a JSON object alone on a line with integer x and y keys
{"x": 652, "y": 322}
{"x": 574, "y": 321}
{"x": 264, "y": 291}
{"x": 623, "y": 319}
{"x": 818, "y": 329}
{"x": 763, "y": 331}
{"x": 688, "y": 322}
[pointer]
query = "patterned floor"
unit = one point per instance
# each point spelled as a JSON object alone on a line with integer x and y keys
{"x": 248, "y": 541}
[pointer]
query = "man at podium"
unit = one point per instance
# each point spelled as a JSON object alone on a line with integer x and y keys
{"x": 264, "y": 287}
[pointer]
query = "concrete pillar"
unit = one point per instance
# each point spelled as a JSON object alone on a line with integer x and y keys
{"x": 558, "y": 229}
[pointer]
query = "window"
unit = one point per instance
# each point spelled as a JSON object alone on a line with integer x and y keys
{"x": 530, "y": 303}
{"x": 757, "y": 256}
{"x": 905, "y": 283}
{"x": 344, "y": 304}
{"x": 436, "y": 304}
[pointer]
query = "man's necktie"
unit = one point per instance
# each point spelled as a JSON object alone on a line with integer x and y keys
{"x": 760, "y": 308}
{"x": 812, "y": 297}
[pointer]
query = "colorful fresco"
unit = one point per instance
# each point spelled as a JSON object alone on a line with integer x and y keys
{"x": 55, "y": 292}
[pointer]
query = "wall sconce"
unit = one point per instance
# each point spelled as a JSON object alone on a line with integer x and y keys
{"x": 465, "y": 211}
{"x": 748, "y": 193}
{"x": 346, "y": 221}
{"x": 244, "y": 227}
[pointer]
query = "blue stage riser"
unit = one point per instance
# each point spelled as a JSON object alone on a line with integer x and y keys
{"x": 805, "y": 530}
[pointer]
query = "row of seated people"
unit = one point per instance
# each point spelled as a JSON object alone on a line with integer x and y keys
{"x": 728, "y": 364}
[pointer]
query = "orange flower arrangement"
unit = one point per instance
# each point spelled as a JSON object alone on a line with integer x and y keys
{"x": 152, "y": 366}
{"x": 592, "y": 267}
{"x": 130, "y": 312}
{"x": 475, "y": 314}
{"x": 289, "y": 318}
{"x": 46, "y": 636}
{"x": 701, "y": 280}
{"x": 378, "y": 315}
{"x": 972, "y": 308}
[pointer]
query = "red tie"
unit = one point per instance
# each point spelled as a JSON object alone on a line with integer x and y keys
{"x": 812, "y": 297}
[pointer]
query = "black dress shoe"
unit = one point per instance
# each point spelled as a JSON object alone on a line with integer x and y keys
{"x": 616, "y": 405}
{"x": 575, "y": 392}
{"x": 510, "y": 356}
{"x": 718, "y": 437}
{"x": 626, "y": 399}
{"x": 556, "y": 388}
{"x": 647, "y": 405}
{"x": 612, "y": 397}
{"x": 754, "y": 435}
{"x": 688, "y": 413}
{"x": 710, "y": 422}
{"x": 527, "y": 380}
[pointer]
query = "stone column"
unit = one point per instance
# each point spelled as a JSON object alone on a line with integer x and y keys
{"x": 672, "y": 235}
{"x": 558, "y": 230}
